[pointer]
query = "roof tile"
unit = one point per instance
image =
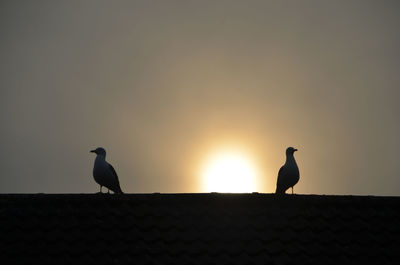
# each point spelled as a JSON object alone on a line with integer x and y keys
{"x": 198, "y": 229}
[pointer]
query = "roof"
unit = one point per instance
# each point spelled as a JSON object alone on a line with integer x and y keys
{"x": 198, "y": 229}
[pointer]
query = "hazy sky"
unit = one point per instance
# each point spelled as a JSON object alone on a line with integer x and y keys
{"x": 162, "y": 84}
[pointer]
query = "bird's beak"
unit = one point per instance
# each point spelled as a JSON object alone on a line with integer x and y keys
{"x": 92, "y": 151}
{"x": 295, "y": 150}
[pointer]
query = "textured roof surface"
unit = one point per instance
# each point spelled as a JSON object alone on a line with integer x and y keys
{"x": 198, "y": 229}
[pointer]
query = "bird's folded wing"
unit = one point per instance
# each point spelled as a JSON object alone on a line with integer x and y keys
{"x": 280, "y": 173}
{"x": 113, "y": 172}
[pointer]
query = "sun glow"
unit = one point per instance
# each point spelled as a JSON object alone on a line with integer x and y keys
{"x": 229, "y": 172}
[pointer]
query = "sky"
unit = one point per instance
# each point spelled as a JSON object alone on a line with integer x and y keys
{"x": 162, "y": 85}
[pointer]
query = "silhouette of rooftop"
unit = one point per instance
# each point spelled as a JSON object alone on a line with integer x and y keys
{"x": 198, "y": 229}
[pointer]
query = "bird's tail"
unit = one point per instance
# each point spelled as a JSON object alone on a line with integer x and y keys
{"x": 279, "y": 190}
{"x": 119, "y": 191}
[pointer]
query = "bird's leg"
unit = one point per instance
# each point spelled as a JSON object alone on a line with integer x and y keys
{"x": 108, "y": 191}
{"x": 100, "y": 188}
{"x": 292, "y": 190}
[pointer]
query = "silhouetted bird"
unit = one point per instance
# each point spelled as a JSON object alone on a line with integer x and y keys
{"x": 289, "y": 174}
{"x": 104, "y": 173}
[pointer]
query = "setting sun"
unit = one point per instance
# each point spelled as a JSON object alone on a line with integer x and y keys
{"x": 229, "y": 172}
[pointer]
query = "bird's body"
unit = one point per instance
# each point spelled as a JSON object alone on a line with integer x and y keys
{"x": 104, "y": 173}
{"x": 288, "y": 174}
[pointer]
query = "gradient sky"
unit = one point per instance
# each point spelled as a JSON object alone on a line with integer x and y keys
{"x": 162, "y": 84}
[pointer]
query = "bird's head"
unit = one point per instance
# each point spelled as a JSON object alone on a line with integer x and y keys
{"x": 290, "y": 150}
{"x": 99, "y": 151}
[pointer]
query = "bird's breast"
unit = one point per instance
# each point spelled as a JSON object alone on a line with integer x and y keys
{"x": 100, "y": 168}
{"x": 291, "y": 168}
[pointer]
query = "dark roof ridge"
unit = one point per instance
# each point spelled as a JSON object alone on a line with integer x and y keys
{"x": 200, "y": 194}
{"x": 198, "y": 228}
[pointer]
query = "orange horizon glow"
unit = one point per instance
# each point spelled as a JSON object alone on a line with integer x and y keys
{"x": 230, "y": 171}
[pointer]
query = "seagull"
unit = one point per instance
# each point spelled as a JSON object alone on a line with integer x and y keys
{"x": 289, "y": 174}
{"x": 104, "y": 173}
